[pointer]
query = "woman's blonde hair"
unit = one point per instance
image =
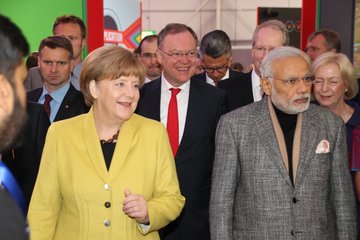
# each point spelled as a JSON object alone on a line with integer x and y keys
{"x": 345, "y": 67}
{"x": 108, "y": 62}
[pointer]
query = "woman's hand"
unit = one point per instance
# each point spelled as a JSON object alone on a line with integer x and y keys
{"x": 135, "y": 206}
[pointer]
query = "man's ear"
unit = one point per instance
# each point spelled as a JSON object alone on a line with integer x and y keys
{"x": 6, "y": 95}
{"x": 266, "y": 86}
{"x": 159, "y": 56}
{"x": 83, "y": 43}
{"x": 230, "y": 61}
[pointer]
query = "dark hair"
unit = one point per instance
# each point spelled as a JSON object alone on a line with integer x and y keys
{"x": 32, "y": 60}
{"x": 332, "y": 39}
{"x": 149, "y": 38}
{"x": 215, "y": 44}
{"x": 70, "y": 19}
{"x": 13, "y": 47}
{"x": 175, "y": 28}
{"x": 57, "y": 42}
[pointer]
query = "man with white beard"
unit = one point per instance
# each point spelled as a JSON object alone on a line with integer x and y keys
{"x": 288, "y": 177}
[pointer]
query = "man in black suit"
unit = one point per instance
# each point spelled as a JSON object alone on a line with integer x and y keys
{"x": 24, "y": 158}
{"x": 246, "y": 88}
{"x": 55, "y": 65}
{"x": 199, "y": 108}
{"x": 216, "y": 57}
{"x": 13, "y": 49}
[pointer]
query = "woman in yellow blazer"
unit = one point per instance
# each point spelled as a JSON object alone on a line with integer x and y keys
{"x": 107, "y": 174}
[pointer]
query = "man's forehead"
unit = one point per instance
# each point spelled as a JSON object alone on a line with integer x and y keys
{"x": 223, "y": 59}
{"x": 169, "y": 40}
{"x": 293, "y": 64}
{"x": 67, "y": 29}
{"x": 58, "y": 53}
{"x": 149, "y": 47}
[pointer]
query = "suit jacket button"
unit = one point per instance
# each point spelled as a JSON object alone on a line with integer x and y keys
{"x": 294, "y": 200}
{"x": 107, "y": 223}
{"x": 107, "y": 204}
{"x": 106, "y": 186}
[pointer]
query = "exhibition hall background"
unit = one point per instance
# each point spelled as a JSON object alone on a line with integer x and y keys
{"x": 237, "y": 18}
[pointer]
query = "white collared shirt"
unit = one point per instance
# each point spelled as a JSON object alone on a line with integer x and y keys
{"x": 210, "y": 81}
{"x": 256, "y": 87}
{"x": 146, "y": 80}
{"x": 57, "y": 98}
{"x": 182, "y": 103}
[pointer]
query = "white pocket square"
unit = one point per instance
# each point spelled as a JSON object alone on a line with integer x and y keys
{"x": 323, "y": 147}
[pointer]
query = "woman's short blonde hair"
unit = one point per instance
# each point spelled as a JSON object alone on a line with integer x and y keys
{"x": 345, "y": 67}
{"x": 108, "y": 62}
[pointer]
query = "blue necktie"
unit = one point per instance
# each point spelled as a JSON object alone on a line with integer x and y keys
{"x": 8, "y": 182}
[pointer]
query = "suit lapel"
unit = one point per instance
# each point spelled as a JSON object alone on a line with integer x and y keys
{"x": 93, "y": 146}
{"x": 266, "y": 132}
{"x": 149, "y": 103}
{"x": 34, "y": 95}
{"x": 194, "y": 106}
{"x": 309, "y": 141}
{"x": 123, "y": 145}
{"x": 66, "y": 105}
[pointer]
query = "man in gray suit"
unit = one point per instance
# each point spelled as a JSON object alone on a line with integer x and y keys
{"x": 287, "y": 178}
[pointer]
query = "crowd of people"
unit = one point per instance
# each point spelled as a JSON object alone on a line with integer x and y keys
{"x": 173, "y": 141}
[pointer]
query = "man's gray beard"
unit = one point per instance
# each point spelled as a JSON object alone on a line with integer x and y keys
{"x": 12, "y": 125}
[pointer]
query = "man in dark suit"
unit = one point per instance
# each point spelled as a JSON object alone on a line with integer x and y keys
{"x": 24, "y": 158}
{"x": 13, "y": 49}
{"x": 73, "y": 28}
{"x": 246, "y": 88}
{"x": 199, "y": 106}
{"x": 216, "y": 57}
{"x": 55, "y": 65}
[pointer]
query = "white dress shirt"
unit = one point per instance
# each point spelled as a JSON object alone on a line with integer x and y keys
{"x": 256, "y": 87}
{"x": 182, "y": 103}
{"x": 210, "y": 81}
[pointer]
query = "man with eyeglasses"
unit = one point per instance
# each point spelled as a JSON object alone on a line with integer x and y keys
{"x": 146, "y": 53}
{"x": 246, "y": 88}
{"x": 60, "y": 98}
{"x": 190, "y": 110}
{"x": 216, "y": 56}
{"x": 287, "y": 177}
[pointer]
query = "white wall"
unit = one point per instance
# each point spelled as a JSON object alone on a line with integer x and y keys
{"x": 238, "y": 17}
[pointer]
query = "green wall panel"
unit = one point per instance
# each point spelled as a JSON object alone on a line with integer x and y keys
{"x": 35, "y": 17}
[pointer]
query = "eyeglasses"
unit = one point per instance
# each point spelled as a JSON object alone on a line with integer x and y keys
{"x": 221, "y": 69}
{"x": 291, "y": 82}
{"x": 178, "y": 54}
{"x": 262, "y": 50}
{"x": 149, "y": 55}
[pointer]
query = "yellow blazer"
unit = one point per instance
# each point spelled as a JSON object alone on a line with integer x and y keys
{"x": 73, "y": 185}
